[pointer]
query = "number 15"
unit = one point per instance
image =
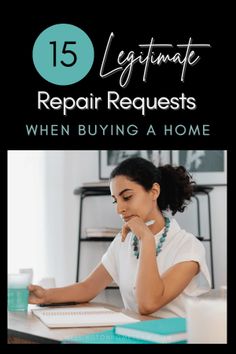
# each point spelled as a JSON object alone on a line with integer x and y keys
{"x": 64, "y": 51}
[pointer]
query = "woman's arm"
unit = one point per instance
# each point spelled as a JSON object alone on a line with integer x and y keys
{"x": 84, "y": 291}
{"x": 154, "y": 291}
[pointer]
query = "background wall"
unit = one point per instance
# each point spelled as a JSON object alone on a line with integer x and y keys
{"x": 43, "y": 217}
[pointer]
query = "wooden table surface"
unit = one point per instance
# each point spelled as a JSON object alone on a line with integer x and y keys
{"x": 27, "y": 328}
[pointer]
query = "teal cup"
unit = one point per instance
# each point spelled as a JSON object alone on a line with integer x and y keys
{"x": 17, "y": 292}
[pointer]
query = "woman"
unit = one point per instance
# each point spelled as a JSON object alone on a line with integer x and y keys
{"x": 156, "y": 264}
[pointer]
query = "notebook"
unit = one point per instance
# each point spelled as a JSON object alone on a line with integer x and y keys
{"x": 104, "y": 337}
{"x": 81, "y": 317}
{"x": 166, "y": 330}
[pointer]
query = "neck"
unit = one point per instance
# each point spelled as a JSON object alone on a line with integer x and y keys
{"x": 159, "y": 223}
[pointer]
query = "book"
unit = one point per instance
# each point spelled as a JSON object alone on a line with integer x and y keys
{"x": 104, "y": 183}
{"x": 102, "y": 232}
{"x": 166, "y": 330}
{"x": 81, "y": 317}
{"x": 104, "y": 337}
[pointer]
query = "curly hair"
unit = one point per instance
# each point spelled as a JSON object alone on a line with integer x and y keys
{"x": 176, "y": 184}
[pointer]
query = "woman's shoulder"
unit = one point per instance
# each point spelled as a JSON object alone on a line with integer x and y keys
{"x": 182, "y": 236}
{"x": 185, "y": 245}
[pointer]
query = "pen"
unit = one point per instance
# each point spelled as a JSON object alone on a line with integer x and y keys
{"x": 150, "y": 222}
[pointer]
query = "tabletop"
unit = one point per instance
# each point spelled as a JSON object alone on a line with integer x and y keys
{"x": 24, "y": 327}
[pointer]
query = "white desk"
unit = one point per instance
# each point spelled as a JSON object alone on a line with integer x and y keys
{"x": 26, "y": 328}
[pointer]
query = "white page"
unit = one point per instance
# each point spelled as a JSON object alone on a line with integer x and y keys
{"x": 81, "y": 317}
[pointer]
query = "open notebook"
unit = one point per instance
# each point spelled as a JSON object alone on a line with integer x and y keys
{"x": 81, "y": 317}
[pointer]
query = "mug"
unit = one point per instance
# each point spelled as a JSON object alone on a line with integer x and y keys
{"x": 207, "y": 320}
{"x": 17, "y": 292}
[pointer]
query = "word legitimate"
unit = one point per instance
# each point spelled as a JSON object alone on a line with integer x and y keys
{"x": 126, "y": 61}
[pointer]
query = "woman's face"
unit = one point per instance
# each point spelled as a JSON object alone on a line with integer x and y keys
{"x": 131, "y": 199}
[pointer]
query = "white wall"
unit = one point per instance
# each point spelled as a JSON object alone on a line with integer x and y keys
{"x": 188, "y": 220}
{"x": 26, "y": 205}
{"x": 55, "y": 234}
{"x": 65, "y": 171}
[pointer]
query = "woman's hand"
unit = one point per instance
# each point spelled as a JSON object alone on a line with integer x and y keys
{"x": 37, "y": 294}
{"x": 137, "y": 226}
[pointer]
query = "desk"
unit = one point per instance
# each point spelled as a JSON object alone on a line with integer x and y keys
{"x": 25, "y": 328}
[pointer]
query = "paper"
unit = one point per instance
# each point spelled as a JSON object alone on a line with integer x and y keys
{"x": 81, "y": 317}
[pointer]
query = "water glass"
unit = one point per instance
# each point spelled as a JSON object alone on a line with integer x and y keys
{"x": 17, "y": 292}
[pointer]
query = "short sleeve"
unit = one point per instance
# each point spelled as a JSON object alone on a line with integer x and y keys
{"x": 191, "y": 249}
{"x": 110, "y": 259}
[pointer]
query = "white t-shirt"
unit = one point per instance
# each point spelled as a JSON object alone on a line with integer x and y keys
{"x": 179, "y": 246}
